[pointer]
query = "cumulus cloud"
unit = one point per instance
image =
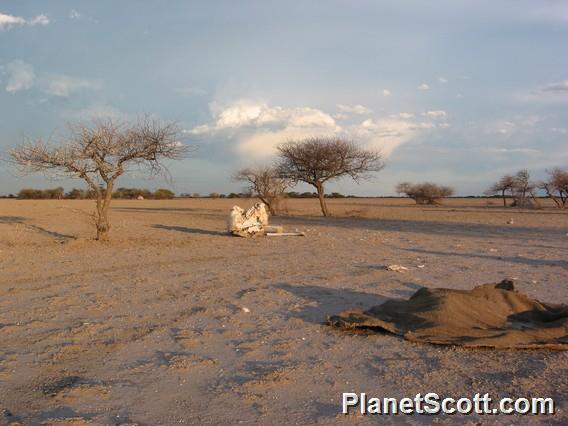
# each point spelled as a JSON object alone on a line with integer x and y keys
{"x": 21, "y": 76}
{"x": 258, "y": 127}
{"x": 9, "y": 21}
{"x": 423, "y": 86}
{"x": 245, "y": 113}
{"x": 353, "y": 109}
{"x": 64, "y": 86}
{"x": 443, "y": 80}
{"x": 387, "y": 93}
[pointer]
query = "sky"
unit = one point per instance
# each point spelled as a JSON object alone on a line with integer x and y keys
{"x": 453, "y": 92}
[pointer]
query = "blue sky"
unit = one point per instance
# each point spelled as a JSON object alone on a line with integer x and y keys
{"x": 455, "y": 92}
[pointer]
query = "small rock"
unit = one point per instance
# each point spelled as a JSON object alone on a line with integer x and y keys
{"x": 245, "y": 309}
{"x": 510, "y": 222}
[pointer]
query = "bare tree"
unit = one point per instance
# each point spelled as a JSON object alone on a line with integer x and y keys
{"x": 556, "y": 187}
{"x": 506, "y": 183}
{"x": 100, "y": 154}
{"x": 424, "y": 193}
{"x": 318, "y": 160}
{"x": 523, "y": 187}
{"x": 264, "y": 183}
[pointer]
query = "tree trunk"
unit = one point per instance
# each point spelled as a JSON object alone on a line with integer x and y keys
{"x": 504, "y": 198}
{"x": 102, "y": 220}
{"x": 321, "y": 195}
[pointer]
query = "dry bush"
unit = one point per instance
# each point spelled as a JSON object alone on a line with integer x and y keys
{"x": 424, "y": 193}
{"x": 264, "y": 183}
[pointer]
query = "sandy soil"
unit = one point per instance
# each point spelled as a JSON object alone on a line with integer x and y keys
{"x": 175, "y": 322}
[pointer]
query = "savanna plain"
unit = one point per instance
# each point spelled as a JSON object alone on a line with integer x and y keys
{"x": 173, "y": 321}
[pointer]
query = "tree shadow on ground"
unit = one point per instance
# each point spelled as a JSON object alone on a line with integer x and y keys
{"x": 512, "y": 259}
{"x": 326, "y": 301}
{"x": 52, "y": 233}
{"x": 12, "y": 219}
{"x": 158, "y": 209}
{"x": 457, "y": 229}
{"x": 190, "y": 230}
{"x": 21, "y": 220}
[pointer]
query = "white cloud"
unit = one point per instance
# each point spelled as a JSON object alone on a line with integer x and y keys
{"x": 199, "y": 130}
{"x": 73, "y": 14}
{"x": 21, "y": 76}
{"x": 444, "y": 125}
{"x": 39, "y": 20}
{"x": 9, "y": 21}
{"x": 258, "y": 127}
{"x": 443, "y": 80}
{"x": 423, "y": 86}
{"x": 65, "y": 86}
{"x": 558, "y": 87}
{"x": 353, "y": 109}
{"x": 438, "y": 114}
{"x": 560, "y": 130}
{"x": 387, "y": 93}
{"x": 246, "y": 113}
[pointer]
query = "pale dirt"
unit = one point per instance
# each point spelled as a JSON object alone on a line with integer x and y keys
{"x": 175, "y": 322}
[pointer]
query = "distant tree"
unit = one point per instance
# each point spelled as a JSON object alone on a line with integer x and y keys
{"x": 318, "y": 160}
{"x": 100, "y": 154}
{"x": 75, "y": 194}
{"x": 523, "y": 187}
{"x": 163, "y": 194}
{"x": 506, "y": 183}
{"x": 424, "y": 193}
{"x": 263, "y": 182}
{"x": 556, "y": 186}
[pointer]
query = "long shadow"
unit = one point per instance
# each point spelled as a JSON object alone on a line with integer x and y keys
{"x": 22, "y": 220}
{"x": 457, "y": 229}
{"x": 512, "y": 259}
{"x": 189, "y": 230}
{"x": 329, "y": 301}
{"x": 52, "y": 233}
{"x": 157, "y": 209}
{"x": 12, "y": 219}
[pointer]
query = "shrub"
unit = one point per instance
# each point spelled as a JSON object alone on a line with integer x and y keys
{"x": 424, "y": 193}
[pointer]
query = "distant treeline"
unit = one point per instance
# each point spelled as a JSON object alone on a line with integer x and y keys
{"x": 248, "y": 195}
{"x": 81, "y": 194}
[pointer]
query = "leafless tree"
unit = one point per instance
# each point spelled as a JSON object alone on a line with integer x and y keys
{"x": 101, "y": 153}
{"x": 318, "y": 160}
{"x": 264, "y": 183}
{"x": 424, "y": 193}
{"x": 556, "y": 186}
{"x": 523, "y": 187}
{"x": 506, "y": 183}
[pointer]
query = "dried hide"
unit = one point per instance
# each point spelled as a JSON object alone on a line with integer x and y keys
{"x": 490, "y": 315}
{"x": 250, "y": 223}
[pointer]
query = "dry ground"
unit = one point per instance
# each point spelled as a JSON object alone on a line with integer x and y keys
{"x": 175, "y": 322}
